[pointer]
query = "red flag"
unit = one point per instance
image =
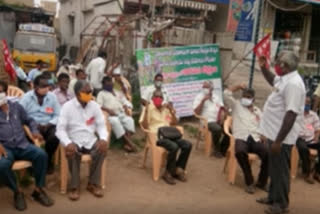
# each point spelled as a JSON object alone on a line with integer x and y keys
{"x": 8, "y": 64}
{"x": 263, "y": 48}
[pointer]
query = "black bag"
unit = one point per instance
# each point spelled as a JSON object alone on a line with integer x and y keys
{"x": 169, "y": 132}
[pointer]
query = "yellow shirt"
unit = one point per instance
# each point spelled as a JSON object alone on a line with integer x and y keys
{"x": 157, "y": 118}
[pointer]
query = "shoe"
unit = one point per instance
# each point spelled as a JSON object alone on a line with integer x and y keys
{"x": 180, "y": 175}
{"x": 250, "y": 189}
{"x": 308, "y": 179}
{"x": 95, "y": 190}
{"x": 262, "y": 187}
{"x": 167, "y": 177}
{"x": 74, "y": 195}
{"x": 42, "y": 198}
{"x": 19, "y": 201}
{"x": 265, "y": 201}
{"x": 275, "y": 209}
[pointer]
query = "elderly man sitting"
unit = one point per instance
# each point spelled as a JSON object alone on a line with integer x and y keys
{"x": 117, "y": 105}
{"x": 44, "y": 108}
{"x": 309, "y": 139}
{"x": 15, "y": 146}
{"x": 208, "y": 105}
{"x": 157, "y": 116}
{"x": 80, "y": 120}
{"x": 245, "y": 123}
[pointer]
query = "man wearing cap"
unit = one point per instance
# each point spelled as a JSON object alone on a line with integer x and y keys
{"x": 44, "y": 108}
{"x": 36, "y": 71}
{"x": 95, "y": 71}
{"x": 14, "y": 145}
{"x": 118, "y": 84}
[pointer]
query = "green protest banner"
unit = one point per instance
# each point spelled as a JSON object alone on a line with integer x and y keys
{"x": 184, "y": 69}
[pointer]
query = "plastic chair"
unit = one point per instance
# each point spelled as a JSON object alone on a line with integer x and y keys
{"x": 205, "y": 134}
{"x": 14, "y": 91}
{"x": 86, "y": 158}
{"x": 231, "y": 162}
{"x": 295, "y": 160}
{"x": 159, "y": 154}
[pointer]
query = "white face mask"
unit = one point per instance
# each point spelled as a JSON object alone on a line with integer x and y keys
{"x": 206, "y": 91}
{"x": 246, "y": 102}
{"x": 158, "y": 84}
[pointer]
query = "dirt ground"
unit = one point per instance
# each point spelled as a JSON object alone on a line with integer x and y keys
{"x": 131, "y": 189}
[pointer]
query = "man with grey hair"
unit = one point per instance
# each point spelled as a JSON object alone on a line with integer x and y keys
{"x": 280, "y": 126}
{"x": 208, "y": 105}
{"x": 80, "y": 120}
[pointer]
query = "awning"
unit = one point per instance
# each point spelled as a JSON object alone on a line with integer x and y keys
{"x": 191, "y": 4}
{"x": 311, "y": 1}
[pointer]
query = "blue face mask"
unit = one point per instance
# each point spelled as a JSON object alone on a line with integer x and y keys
{"x": 108, "y": 88}
{"x": 307, "y": 108}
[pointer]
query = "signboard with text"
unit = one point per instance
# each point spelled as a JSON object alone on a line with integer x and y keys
{"x": 247, "y": 20}
{"x": 184, "y": 69}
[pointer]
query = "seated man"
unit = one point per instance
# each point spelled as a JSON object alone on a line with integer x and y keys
{"x": 309, "y": 139}
{"x": 208, "y": 105}
{"x": 23, "y": 81}
{"x": 62, "y": 93}
{"x": 119, "y": 83}
{"x": 33, "y": 73}
{"x": 43, "y": 107}
{"x": 80, "y": 75}
{"x": 157, "y": 116}
{"x": 80, "y": 120}
{"x": 146, "y": 96}
{"x": 245, "y": 124}
{"x": 15, "y": 146}
{"x": 116, "y": 105}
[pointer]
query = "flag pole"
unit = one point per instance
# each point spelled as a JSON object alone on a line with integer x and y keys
{"x": 256, "y": 38}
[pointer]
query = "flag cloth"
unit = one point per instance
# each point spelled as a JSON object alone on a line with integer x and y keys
{"x": 263, "y": 48}
{"x": 8, "y": 64}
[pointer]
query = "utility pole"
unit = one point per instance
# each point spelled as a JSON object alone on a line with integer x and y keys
{"x": 256, "y": 38}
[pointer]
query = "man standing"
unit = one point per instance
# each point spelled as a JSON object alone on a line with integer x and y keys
{"x": 43, "y": 107}
{"x": 281, "y": 124}
{"x": 36, "y": 71}
{"x": 15, "y": 146}
{"x": 62, "y": 93}
{"x": 95, "y": 71}
{"x": 80, "y": 120}
{"x": 309, "y": 139}
{"x": 158, "y": 85}
{"x": 208, "y": 105}
{"x": 117, "y": 107}
{"x": 245, "y": 123}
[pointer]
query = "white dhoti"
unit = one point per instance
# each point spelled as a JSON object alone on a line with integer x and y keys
{"x": 120, "y": 124}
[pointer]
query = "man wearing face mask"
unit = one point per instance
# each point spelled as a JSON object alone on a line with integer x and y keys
{"x": 14, "y": 145}
{"x": 208, "y": 105}
{"x": 280, "y": 125}
{"x": 146, "y": 96}
{"x": 245, "y": 123}
{"x": 309, "y": 139}
{"x": 157, "y": 116}
{"x": 117, "y": 105}
{"x": 85, "y": 133}
{"x": 44, "y": 108}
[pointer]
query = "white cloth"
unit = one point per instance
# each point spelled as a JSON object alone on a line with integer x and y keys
{"x": 148, "y": 93}
{"x": 289, "y": 95}
{"x": 78, "y": 125}
{"x": 71, "y": 86}
{"x": 113, "y": 102}
{"x": 211, "y": 107}
{"x": 95, "y": 72}
{"x": 244, "y": 121}
{"x": 121, "y": 123}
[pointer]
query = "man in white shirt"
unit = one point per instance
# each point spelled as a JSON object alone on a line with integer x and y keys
{"x": 309, "y": 139}
{"x": 65, "y": 67}
{"x": 146, "y": 96}
{"x": 95, "y": 71}
{"x": 208, "y": 105}
{"x": 117, "y": 107}
{"x": 80, "y": 75}
{"x": 281, "y": 123}
{"x": 80, "y": 120}
{"x": 245, "y": 124}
